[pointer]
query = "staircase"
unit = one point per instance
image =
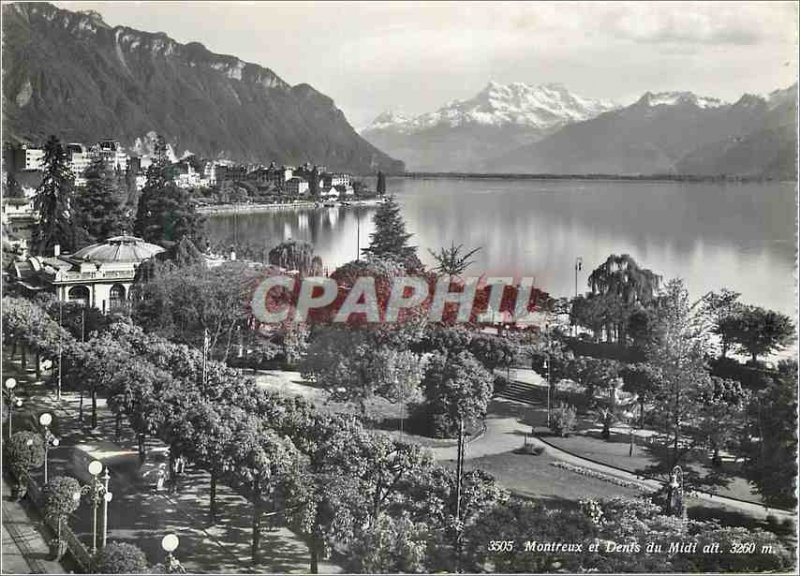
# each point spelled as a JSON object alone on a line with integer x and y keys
{"x": 521, "y": 392}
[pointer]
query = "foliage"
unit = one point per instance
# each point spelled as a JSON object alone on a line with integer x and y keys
{"x": 166, "y": 213}
{"x": 354, "y": 366}
{"x": 25, "y": 452}
{"x": 120, "y": 558}
{"x": 181, "y": 303}
{"x": 456, "y": 387}
{"x": 60, "y": 500}
{"x": 380, "y": 187}
{"x": 99, "y": 209}
{"x": 53, "y": 202}
{"x": 452, "y": 261}
{"x": 678, "y": 354}
{"x": 770, "y": 439}
{"x": 562, "y": 419}
{"x": 757, "y": 331}
{"x": 720, "y": 309}
{"x": 623, "y": 277}
{"x": 296, "y": 255}
{"x": 390, "y": 239}
{"x": 391, "y": 546}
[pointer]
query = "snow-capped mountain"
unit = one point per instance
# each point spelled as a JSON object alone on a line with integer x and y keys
{"x": 678, "y": 98}
{"x": 462, "y": 132}
{"x": 670, "y": 133}
{"x": 539, "y": 107}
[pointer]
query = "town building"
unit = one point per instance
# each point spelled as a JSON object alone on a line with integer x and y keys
{"x": 29, "y": 158}
{"x": 100, "y": 275}
{"x": 79, "y": 160}
{"x": 296, "y": 186}
{"x": 112, "y": 153}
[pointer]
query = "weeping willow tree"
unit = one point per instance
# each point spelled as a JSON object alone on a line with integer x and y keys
{"x": 623, "y": 287}
{"x": 296, "y": 255}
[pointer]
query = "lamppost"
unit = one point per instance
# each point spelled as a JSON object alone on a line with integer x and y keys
{"x": 13, "y": 402}
{"x": 98, "y": 490}
{"x": 547, "y": 368}
{"x": 172, "y": 565}
{"x": 578, "y": 268}
{"x": 49, "y": 438}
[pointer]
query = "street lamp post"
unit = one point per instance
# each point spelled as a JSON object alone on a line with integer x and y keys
{"x": 547, "y": 368}
{"x": 13, "y": 402}
{"x": 49, "y": 438}
{"x": 169, "y": 543}
{"x": 98, "y": 490}
{"x": 578, "y": 268}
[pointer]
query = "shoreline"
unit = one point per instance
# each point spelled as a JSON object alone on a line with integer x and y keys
{"x": 305, "y": 204}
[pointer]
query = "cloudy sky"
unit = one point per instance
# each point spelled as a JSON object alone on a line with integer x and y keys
{"x": 415, "y": 56}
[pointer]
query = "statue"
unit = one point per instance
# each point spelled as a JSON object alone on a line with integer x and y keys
{"x": 675, "y": 505}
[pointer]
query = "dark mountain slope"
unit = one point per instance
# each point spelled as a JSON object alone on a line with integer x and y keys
{"x": 70, "y": 74}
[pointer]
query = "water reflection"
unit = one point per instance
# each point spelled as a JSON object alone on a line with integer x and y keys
{"x": 739, "y": 236}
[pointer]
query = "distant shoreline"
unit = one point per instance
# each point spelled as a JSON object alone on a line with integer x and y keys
{"x": 591, "y": 177}
{"x": 252, "y": 208}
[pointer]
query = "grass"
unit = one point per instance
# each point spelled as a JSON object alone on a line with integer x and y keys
{"x": 534, "y": 476}
{"x": 614, "y": 452}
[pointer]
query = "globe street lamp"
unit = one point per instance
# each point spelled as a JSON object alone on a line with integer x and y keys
{"x": 173, "y": 566}
{"x": 578, "y": 268}
{"x": 98, "y": 490}
{"x": 49, "y": 438}
{"x": 13, "y": 401}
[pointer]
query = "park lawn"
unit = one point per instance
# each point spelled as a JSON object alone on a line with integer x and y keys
{"x": 534, "y": 476}
{"x": 615, "y": 453}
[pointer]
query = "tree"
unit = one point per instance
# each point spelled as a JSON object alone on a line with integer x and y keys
{"x": 354, "y": 366}
{"x": 61, "y": 498}
{"x": 723, "y": 415}
{"x": 757, "y": 331}
{"x": 120, "y": 558}
{"x": 313, "y": 183}
{"x": 390, "y": 545}
{"x": 53, "y": 202}
{"x": 678, "y": 354}
{"x": 625, "y": 288}
{"x": 390, "y": 239}
{"x": 295, "y": 255}
{"x": 644, "y": 381}
{"x": 99, "y": 211}
{"x": 453, "y": 261}
{"x": 25, "y": 452}
{"x": 562, "y": 419}
{"x": 457, "y": 387}
{"x": 166, "y": 213}
{"x": 770, "y": 439}
{"x": 720, "y": 309}
{"x": 380, "y": 187}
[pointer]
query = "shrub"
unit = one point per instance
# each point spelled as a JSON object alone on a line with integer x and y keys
{"x": 62, "y": 498}
{"x": 120, "y": 558}
{"x": 25, "y": 452}
{"x": 562, "y": 419}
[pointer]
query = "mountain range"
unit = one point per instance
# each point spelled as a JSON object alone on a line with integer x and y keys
{"x": 72, "y": 75}
{"x": 463, "y": 134}
{"x": 548, "y": 130}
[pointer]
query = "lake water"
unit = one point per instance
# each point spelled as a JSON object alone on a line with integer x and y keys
{"x": 739, "y": 236}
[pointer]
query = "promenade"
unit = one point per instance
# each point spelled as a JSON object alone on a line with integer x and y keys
{"x": 25, "y": 549}
{"x": 142, "y": 515}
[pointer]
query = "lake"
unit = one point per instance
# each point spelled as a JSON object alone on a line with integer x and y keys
{"x": 739, "y": 236}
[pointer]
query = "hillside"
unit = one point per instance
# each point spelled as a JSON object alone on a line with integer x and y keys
{"x": 70, "y": 74}
{"x": 463, "y": 134}
{"x": 671, "y": 133}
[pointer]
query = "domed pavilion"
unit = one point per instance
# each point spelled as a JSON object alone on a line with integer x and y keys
{"x": 99, "y": 275}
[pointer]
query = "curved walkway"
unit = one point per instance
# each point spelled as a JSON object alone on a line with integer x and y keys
{"x": 506, "y": 431}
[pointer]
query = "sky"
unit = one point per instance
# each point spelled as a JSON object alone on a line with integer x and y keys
{"x": 413, "y": 57}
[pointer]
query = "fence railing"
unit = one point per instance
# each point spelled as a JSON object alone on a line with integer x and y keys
{"x": 76, "y": 548}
